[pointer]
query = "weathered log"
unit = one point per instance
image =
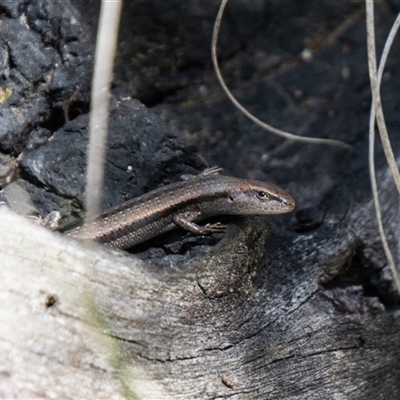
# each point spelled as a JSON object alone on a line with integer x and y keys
{"x": 233, "y": 320}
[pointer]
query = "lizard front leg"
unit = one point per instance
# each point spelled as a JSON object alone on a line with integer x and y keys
{"x": 185, "y": 221}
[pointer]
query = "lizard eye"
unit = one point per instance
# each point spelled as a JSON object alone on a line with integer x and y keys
{"x": 262, "y": 195}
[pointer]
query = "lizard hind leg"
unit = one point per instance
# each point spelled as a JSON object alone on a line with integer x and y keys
{"x": 208, "y": 171}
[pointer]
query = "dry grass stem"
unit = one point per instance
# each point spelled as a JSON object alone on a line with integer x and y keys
{"x": 375, "y": 87}
{"x": 103, "y": 69}
{"x": 376, "y": 78}
{"x": 260, "y": 123}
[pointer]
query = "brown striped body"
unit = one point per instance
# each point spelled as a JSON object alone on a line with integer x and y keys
{"x": 181, "y": 204}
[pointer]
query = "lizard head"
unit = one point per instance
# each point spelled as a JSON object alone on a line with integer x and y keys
{"x": 259, "y": 198}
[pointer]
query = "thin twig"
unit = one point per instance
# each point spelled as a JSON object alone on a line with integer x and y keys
{"x": 104, "y": 60}
{"x": 375, "y": 87}
{"x": 377, "y": 77}
{"x": 270, "y": 128}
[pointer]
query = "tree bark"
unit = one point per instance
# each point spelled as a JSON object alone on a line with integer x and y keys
{"x": 85, "y": 321}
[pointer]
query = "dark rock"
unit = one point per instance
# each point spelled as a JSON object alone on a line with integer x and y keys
{"x": 142, "y": 153}
{"x": 26, "y": 63}
{"x": 29, "y": 199}
{"x": 41, "y": 67}
{"x": 27, "y": 54}
{"x": 13, "y": 9}
{"x": 8, "y": 170}
{"x": 308, "y": 218}
{"x": 37, "y": 138}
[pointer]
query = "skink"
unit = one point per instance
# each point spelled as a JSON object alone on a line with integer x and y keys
{"x": 182, "y": 204}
